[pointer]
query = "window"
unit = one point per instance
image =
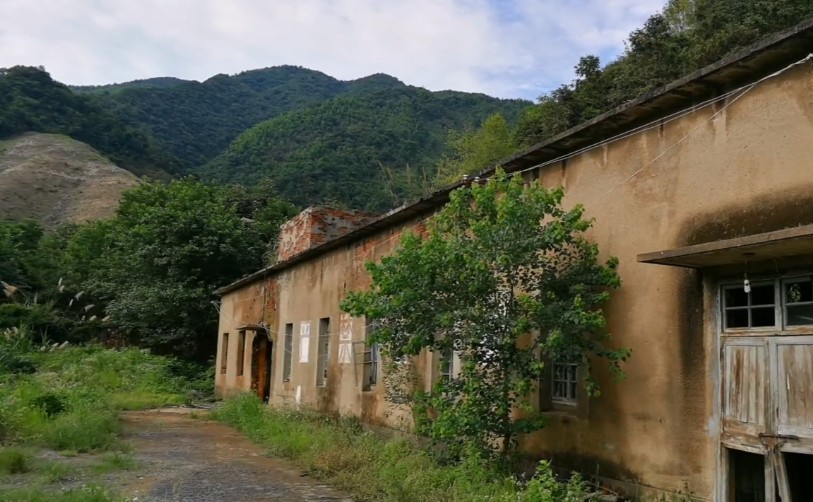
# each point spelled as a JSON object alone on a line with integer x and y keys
{"x": 323, "y": 352}
{"x": 754, "y": 309}
{"x": 371, "y": 358}
{"x": 798, "y": 301}
{"x": 289, "y": 348}
{"x": 565, "y": 382}
{"x": 447, "y": 366}
{"x": 241, "y": 352}
{"x": 224, "y": 353}
{"x": 770, "y": 304}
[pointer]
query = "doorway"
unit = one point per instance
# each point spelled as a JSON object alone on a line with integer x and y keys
{"x": 261, "y": 365}
{"x": 766, "y": 393}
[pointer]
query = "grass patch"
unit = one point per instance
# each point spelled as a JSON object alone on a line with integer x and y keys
{"x": 14, "y": 461}
{"x": 88, "y": 493}
{"x": 373, "y": 468}
{"x": 71, "y": 398}
{"x": 56, "y": 472}
{"x": 115, "y": 461}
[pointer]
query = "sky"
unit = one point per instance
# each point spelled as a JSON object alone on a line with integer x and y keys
{"x": 504, "y": 48}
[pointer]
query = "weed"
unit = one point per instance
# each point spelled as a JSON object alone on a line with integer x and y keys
{"x": 88, "y": 493}
{"x": 374, "y": 468}
{"x": 115, "y": 461}
{"x": 14, "y": 461}
{"x": 56, "y": 472}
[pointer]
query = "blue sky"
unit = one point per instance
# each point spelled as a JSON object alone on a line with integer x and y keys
{"x": 508, "y": 48}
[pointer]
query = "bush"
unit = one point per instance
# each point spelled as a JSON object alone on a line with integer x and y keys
{"x": 14, "y": 461}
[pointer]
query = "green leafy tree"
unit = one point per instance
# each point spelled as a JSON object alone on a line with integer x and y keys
{"x": 472, "y": 151}
{"x": 507, "y": 279}
{"x": 153, "y": 267}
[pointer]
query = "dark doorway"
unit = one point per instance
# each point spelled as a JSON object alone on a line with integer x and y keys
{"x": 800, "y": 470}
{"x": 746, "y": 476}
{"x": 261, "y": 360}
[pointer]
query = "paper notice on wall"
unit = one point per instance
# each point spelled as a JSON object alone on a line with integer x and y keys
{"x": 304, "y": 341}
{"x": 346, "y": 353}
{"x": 346, "y": 328}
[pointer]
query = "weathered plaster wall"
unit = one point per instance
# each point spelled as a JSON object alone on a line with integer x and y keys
{"x": 714, "y": 174}
{"x": 725, "y": 173}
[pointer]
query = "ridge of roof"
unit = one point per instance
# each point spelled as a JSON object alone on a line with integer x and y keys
{"x": 739, "y": 68}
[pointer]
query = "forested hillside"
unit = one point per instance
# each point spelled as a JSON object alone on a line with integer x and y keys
{"x": 356, "y": 149}
{"x": 324, "y": 139}
{"x": 31, "y": 101}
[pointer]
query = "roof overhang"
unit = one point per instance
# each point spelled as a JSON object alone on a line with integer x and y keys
{"x": 796, "y": 241}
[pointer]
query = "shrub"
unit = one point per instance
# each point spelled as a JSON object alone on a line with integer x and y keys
{"x": 14, "y": 461}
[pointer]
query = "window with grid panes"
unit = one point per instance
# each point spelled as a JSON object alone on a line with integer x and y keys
{"x": 371, "y": 360}
{"x": 564, "y": 382}
{"x": 778, "y": 303}
{"x": 288, "y": 355}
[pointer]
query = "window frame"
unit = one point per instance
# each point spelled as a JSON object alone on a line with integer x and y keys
{"x": 371, "y": 360}
{"x": 323, "y": 352}
{"x": 288, "y": 351}
{"x": 781, "y": 325}
{"x": 241, "y": 352}
{"x": 570, "y": 384}
{"x": 224, "y": 354}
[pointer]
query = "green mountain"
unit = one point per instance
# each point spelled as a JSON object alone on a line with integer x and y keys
{"x": 30, "y": 100}
{"x": 196, "y": 121}
{"x": 355, "y": 148}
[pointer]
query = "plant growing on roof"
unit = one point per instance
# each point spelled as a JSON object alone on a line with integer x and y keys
{"x": 506, "y": 279}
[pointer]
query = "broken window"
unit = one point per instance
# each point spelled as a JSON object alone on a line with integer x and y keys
{"x": 241, "y": 352}
{"x": 564, "y": 382}
{"x": 224, "y": 353}
{"x": 371, "y": 359}
{"x": 323, "y": 352}
{"x": 288, "y": 352}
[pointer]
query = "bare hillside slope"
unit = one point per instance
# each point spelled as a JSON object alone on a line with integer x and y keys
{"x": 54, "y": 179}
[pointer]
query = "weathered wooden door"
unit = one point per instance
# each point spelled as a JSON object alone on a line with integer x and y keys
{"x": 767, "y": 410}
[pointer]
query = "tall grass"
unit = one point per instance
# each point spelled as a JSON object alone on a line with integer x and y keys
{"x": 68, "y": 399}
{"x": 378, "y": 469}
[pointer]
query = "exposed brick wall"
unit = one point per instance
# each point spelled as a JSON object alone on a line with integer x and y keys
{"x": 317, "y": 225}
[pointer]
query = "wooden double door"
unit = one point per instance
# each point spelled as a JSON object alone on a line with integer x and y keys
{"x": 766, "y": 418}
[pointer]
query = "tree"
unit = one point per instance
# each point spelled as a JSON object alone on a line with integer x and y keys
{"x": 472, "y": 151}
{"x": 507, "y": 279}
{"x": 154, "y": 266}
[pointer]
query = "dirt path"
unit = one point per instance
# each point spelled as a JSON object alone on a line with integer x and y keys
{"x": 187, "y": 459}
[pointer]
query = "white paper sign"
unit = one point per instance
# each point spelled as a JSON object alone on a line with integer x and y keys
{"x": 346, "y": 353}
{"x": 304, "y": 341}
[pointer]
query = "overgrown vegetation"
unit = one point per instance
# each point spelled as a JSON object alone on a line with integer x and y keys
{"x": 505, "y": 282}
{"x": 146, "y": 276}
{"x": 67, "y": 399}
{"x": 378, "y": 469}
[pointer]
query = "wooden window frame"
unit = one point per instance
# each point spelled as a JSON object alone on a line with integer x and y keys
{"x": 371, "y": 361}
{"x": 569, "y": 383}
{"x": 288, "y": 352}
{"x": 224, "y": 354}
{"x": 241, "y": 352}
{"x": 323, "y": 352}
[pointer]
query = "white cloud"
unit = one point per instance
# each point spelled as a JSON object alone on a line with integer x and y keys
{"x": 509, "y": 48}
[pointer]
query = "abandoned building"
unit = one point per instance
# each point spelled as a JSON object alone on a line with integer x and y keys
{"x": 703, "y": 190}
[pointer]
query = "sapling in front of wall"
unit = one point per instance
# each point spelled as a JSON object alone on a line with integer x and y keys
{"x": 505, "y": 279}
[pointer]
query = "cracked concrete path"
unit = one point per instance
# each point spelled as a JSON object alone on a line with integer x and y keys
{"x": 186, "y": 459}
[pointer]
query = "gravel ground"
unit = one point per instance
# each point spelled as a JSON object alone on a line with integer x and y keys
{"x": 186, "y": 459}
